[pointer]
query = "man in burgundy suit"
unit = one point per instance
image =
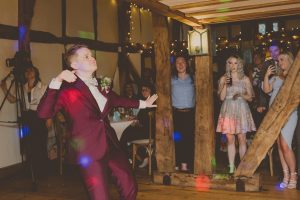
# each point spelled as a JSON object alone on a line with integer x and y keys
{"x": 93, "y": 140}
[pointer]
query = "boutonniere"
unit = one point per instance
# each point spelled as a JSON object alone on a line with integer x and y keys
{"x": 105, "y": 83}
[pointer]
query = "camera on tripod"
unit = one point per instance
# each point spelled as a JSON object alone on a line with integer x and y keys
{"x": 20, "y": 63}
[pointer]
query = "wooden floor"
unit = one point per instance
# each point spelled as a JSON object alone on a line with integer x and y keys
{"x": 69, "y": 187}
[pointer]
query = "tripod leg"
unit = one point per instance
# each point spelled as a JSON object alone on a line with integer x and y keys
{"x": 33, "y": 178}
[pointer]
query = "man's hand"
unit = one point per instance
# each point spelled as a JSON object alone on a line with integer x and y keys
{"x": 150, "y": 100}
{"x": 67, "y": 75}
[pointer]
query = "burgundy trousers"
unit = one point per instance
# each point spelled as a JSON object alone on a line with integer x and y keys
{"x": 96, "y": 175}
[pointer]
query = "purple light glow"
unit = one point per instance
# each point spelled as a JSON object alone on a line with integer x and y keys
{"x": 22, "y": 32}
{"x": 279, "y": 187}
{"x": 85, "y": 161}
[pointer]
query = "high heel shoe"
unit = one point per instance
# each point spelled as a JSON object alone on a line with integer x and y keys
{"x": 293, "y": 181}
{"x": 286, "y": 178}
{"x": 231, "y": 169}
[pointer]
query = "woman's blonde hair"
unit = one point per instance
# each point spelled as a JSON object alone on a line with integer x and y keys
{"x": 290, "y": 59}
{"x": 240, "y": 67}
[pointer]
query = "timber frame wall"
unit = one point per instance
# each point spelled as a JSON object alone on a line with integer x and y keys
{"x": 26, "y": 12}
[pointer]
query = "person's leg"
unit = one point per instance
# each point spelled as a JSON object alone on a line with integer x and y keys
{"x": 298, "y": 146}
{"x": 290, "y": 160}
{"x": 285, "y": 169}
{"x": 38, "y": 136}
{"x": 242, "y": 144}
{"x": 231, "y": 151}
{"x": 191, "y": 139}
{"x": 178, "y": 137}
{"x": 122, "y": 173}
{"x": 95, "y": 179}
{"x": 297, "y": 135}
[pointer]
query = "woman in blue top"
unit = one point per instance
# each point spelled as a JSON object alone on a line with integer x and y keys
{"x": 183, "y": 102}
{"x": 286, "y": 154}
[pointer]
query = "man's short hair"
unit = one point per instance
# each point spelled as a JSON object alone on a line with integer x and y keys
{"x": 71, "y": 52}
{"x": 275, "y": 43}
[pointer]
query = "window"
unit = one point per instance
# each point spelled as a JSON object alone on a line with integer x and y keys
{"x": 275, "y": 26}
{"x": 262, "y": 28}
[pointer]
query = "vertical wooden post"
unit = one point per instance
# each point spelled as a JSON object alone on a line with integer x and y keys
{"x": 124, "y": 28}
{"x": 25, "y": 8}
{"x": 204, "y": 122}
{"x": 164, "y": 121}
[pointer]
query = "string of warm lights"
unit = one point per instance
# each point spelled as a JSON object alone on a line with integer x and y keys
{"x": 289, "y": 39}
{"x": 132, "y": 47}
{"x": 176, "y": 47}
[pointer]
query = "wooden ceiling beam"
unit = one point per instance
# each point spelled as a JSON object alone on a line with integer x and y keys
{"x": 254, "y": 16}
{"x": 241, "y": 8}
{"x": 201, "y": 4}
{"x": 164, "y": 10}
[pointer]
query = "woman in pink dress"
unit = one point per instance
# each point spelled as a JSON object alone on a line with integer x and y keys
{"x": 235, "y": 118}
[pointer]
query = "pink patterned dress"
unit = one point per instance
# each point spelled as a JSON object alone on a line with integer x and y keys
{"x": 235, "y": 115}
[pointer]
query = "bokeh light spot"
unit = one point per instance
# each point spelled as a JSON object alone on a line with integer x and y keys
{"x": 22, "y": 32}
{"x": 73, "y": 96}
{"x": 92, "y": 182}
{"x": 24, "y": 131}
{"x": 177, "y": 136}
{"x": 279, "y": 187}
{"x": 76, "y": 144}
{"x": 202, "y": 183}
{"x": 85, "y": 161}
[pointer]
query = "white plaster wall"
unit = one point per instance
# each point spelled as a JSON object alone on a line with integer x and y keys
{"x": 79, "y": 17}
{"x": 9, "y": 12}
{"x": 108, "y": 21}
{"x": 107, "y": 63}
{"x": 48, "y": 59}
{"x": 47, "y": 16}
{"x": 136, "y": 61}
{"x": 141, "y": 28}
{"x": 9, "y": 140}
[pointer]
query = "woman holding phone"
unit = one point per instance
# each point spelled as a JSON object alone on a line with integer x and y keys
{"x": 272, "y": 86}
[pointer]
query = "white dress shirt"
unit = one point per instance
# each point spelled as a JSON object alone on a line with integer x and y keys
{"x": 100, "y": 99}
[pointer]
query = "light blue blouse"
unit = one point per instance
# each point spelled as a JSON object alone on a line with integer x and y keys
{"x": 183, "y": 92}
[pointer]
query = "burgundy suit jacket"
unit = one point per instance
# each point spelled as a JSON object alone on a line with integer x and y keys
{"x": 91, "y": 133}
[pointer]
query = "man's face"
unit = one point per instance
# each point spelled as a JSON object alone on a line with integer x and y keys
{"x": 274, "y": 52}
{"x": 83, "y": 61}
{"x": 180, "y": 65}
{"x": 257, "y": 59}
